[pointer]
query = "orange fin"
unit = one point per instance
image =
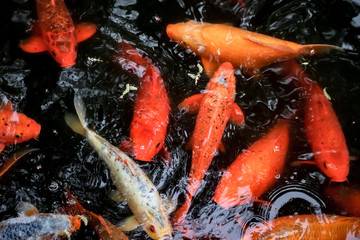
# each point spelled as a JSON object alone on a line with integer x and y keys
{"x": 236, "y": 115}
{"x": 34, "y": 44}
{"x": 313, "y": 49}
{"x": 209, "y": 66}
{"x": 165, "y": 155}
{"x": 189, "y": 144}
{"x": 221, "y": 147}
{"x": 126, "y": 146}
{"x": 191, "y": 104}
{"x": 14, "y": 158}
{"x": 7, "y": 105}
{"x": 298, "y": 163}
{"x": 26, "y": 209}
{"x": 84, "y": 31}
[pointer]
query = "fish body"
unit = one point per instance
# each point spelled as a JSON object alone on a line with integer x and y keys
{"x": 345, "y": 198}
{"x": 16, "y": 127}
{"x": 134, "y": 185}
{"x": 152, "y": 105}
{"x": 255, "y": 170}
{"x": 33, "y": 225}
{"x": 215, "y": 107}
{"x": 306, "y": 227}
{"x": 217, "y": 43}
{"x": 59, "y": 36}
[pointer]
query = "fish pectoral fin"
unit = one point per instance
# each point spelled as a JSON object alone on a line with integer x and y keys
{"x": 84, "y": 31}
{"x": 298, "y": 163}
{"x": 14, "y": 158}
{"x": 165, "y": 155}
{"x": 7, "y": 105}
{"x": 33, "y": 44}
{"x": 26, "y": 209}
{"x": 221, "y": 147}
{"x": 278, "y": 47}
{"x": 116, "y": 196}
{"x": 126, "y": 146}
{"x": 128, "y": 224}
{"x": 209, "y": 66}
{"x": 169, "y": 204}
{"x": 236, "y": 115}
{"x": 191, "y": 104}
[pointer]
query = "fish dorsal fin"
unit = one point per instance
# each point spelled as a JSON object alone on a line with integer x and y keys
{"x": 26, "y": 209}
{"x": 7, "y": 105}
{"x": 278, "y": 47}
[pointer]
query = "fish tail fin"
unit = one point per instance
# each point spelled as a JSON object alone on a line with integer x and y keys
{"x": 313, "y": 49}
{"x": 77, "y": 123}
{"x": 14, "y": 158}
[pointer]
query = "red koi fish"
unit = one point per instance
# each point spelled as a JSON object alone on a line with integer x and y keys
{"x": 255, "y": 170}
{"x": 215, "y": 107}
{"x": 323, "y": 129}
{"x": 103, "y": 228}
{"x": 306, "y": 227}
{"x": 34, "y": 225}
{"x": 152, "y": 106}
{"x": 59, "y": 36}
{"x": 345, "y": 198}
{"x": 16, "y": 127}
{"x": 217, "y": 43}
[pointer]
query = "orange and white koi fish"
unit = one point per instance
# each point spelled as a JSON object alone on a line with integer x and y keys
{"x": 322, "y": 127}
{"x": 151, "y": 109}
{"x": 345, "y": 198}
{"x": 217, "y": 43}
{"x": 34, "y": 225}
{"x": 103, "y": 228}
{"x": 59, "y": 36}
{"x": 132, "y": 184}
{"x": 215, "y": 107}
{"x": 306, "y": 227}
{"x": 255, "y": 170}
{"x": 16, "y": 127}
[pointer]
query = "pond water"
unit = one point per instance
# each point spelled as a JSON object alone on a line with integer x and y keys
{"x": 38, "y": 87}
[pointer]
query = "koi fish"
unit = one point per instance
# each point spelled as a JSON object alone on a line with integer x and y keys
{"x": 103, "y": 228}
{"x": 34, "y": 225}
{"x": 306, "y": 227}
{"x": 16, "y": 127}
{"x": 255, "y": 170}
{"x": 59, "y": 36}
{"x": 13, "y": 159}
{"x": 323, "y": 129}
{"x": 151, "y": 110}
{"x": 215, "y": 107}
{"x": 217, "y": 43}
{"x": 345, "y": 198}
{"x": 132, "y": 184}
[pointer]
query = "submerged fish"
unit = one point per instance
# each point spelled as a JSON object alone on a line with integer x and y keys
{"x": 37, "y": 226}
{"x": 217, "y": 43}
{"x": 16, "y": 127}
{"x": 58, "y": 34}
{"x": 215, "y": 107}
{"x": 306, "y": 227}
{"x": 255, "y": 170}
{"x": 322, "y": 127}
{"x": 132, "y": 183}
{"x": 152, "y": 106}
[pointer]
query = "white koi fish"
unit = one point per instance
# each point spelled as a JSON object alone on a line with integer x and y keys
{"x": 132, "y": 183}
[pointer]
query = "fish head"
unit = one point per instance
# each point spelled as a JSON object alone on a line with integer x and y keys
{"x": 336, "y": 172}
{"x": 146, "y": 143}
{"x": 63, "y": 48}
{"x": 156, "y": 225}
{"x": 187, "y": 34}
{"x": 224, "y": 77}
{"x": 17, "y": 127}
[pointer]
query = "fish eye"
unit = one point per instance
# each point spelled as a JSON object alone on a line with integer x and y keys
{"x": 53, "y": 53}
{"x": 325, "y": 166}
{"x": 152, "y": 229}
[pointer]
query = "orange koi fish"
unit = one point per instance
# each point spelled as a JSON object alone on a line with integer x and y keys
{"x": 34, "y": 225}
{"x": 215, "y": 107}
{"x": 255, "y": 170}
{"x": 306, "y": 227}
{"x": 217, "y": 43}
{"x": 345, "y": 198}
{"x": 152, "y": 106}
{"x": 103, "y": 228}
{"x": 16, "y": 127}
{"x": 59, "y": 36}
{"x": 323, "y": 129}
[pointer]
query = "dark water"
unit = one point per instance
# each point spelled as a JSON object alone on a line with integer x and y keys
{"x": 44, "y": 92}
